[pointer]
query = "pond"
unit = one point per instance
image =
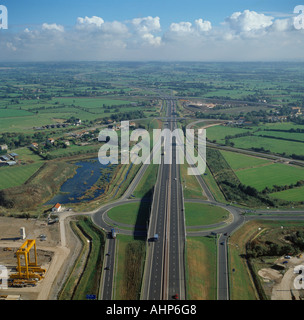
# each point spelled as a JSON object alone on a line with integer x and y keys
{"x": 74, "y": 189}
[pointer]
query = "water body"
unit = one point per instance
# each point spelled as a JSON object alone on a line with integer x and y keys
{"x": 86, "y": 176}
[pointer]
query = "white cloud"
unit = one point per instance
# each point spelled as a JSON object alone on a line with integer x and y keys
{"x": 52, "y": 26}
{"x": 246, "y": 35}
{"x": 151, "y": 39}
{"x": 181, "y": 27}
{"x": 248, "y": 21}
{"x": 281, "y": 25}
{"x": 10, "y": 46}
{"x": 146, "y": 25}
{"x": 93, "y": 22}
{"x": 115, "y": 28}
{"x": 144, "y": 29}
{"x": 203, "y": 26}
{"x": 186, "y": 32}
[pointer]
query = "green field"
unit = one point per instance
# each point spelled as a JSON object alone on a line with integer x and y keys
{"x": 240, "y": 161}
{"x": 91, "y": 102}
{"x": 294, "y": 194}
{"x": 281, "y": 126}
{"x": 268, "y": 176}
{"x": 9, "y": 113}
{"x": 284, "y": 135}
{"x": 274, "y": 145}
{"x": 17, "y": 175}
{"x": 198, "y": 214}
{"x": 219, "y": 132}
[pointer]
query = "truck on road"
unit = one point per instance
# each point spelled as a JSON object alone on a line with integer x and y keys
{"x": 113, "y": 233}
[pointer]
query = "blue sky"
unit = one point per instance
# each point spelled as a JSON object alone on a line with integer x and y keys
{"x": 238, "y": 30}
{"x": 65, "y": 12}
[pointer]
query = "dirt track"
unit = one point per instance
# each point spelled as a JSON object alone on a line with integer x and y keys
{"x": 283, "y": 288}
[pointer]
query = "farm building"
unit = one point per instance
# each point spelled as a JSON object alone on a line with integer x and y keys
{"x": 50, "y": 141}
{"x": 5, "y": 158}
{"x": 34, "y": 145}
{"x": 13, "y": 156}
{"x": 3, "y": 147}
{"x": 57, "y": 207}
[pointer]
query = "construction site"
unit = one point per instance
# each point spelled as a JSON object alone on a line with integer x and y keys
{"x": 34, "y": 260}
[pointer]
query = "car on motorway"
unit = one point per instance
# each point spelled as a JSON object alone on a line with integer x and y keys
{"x": 175, "y": 297}
{"x": 222, "y": 243}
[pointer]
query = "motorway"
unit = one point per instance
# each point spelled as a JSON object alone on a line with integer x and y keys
{"x": 164, "y": 266}
{"x": 164, "y": 275}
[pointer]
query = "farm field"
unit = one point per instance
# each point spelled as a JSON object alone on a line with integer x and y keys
{"x": 90, "y": 102}
{"x": 239, "y": 161}
{"x": 219, "y": 132}
{"x": 283, "y": 135}
{"x": 294, "y": 194}
{"x": 268, "y": 176}
{"x": 198, "y": 214}
{"x": 274, "y": 145}
{"x": 17, "y": 175}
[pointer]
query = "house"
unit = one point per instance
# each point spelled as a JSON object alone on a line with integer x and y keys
{"x": 77, "y": 122}
{"x": 13, "y": 156}
{"x": 67, "y": 142}
{"x": 34, "y": 145}
{"x": 5, "y": 158}
{"x": 3, "y": 147}
{"x": 50, "y": 141}
{"x": 56, "y": 208}
{"x": 296, "y": 111}
{"x": 11, "y": 163}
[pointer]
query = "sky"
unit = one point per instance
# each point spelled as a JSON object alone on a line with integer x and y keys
{"x": 164, "y": 30}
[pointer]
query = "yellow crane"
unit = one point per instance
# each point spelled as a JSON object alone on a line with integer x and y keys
{"x": 31, "y": 270}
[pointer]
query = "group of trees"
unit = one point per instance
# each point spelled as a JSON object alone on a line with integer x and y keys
{"x": 276, "y": 188}
{"x": 294, "y": 246}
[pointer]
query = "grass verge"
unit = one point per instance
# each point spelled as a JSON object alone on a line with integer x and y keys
{"x": 201, "y": 268}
